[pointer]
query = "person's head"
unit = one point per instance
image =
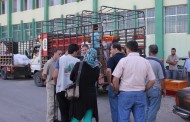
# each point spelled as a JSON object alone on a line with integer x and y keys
{"x": 123, "y": 50}
{"x": 153, "y": 50}
{"x": 73, "y": 49}
{"x": 84, "y": 49}
{"x": 132, "y": 46}
{"x": 57, "y": 53}
{"x": 90, "y": 57}
{"x": 189, "y": 53}
{"x": 173, "y": 51}
{"x": 115, "y": 48}
{"x": 95, "y": 27}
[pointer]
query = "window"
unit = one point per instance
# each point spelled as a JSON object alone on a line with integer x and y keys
{"x": 27, "y": 4}
{"x": 27, "y": 31}
{"x": 39, "y": 3}
{"x": 150, "y": 21}
{"x": 176, "y": 19}
{"x": 16, "y": 33}
{"x": 38, "y": 28}
{"x": 16, "y": 5}
{"x": 4, "y": 6}
{"x": 54, "y": 2}
{"x": 4, "y": 32}
{"x": 70, "y": 1}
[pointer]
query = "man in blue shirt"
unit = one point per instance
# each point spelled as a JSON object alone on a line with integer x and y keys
{"x": 154, "y": 94}
{"x": 111, "y": 64}
{"x": 187, "y": 66}
{"x": 95, "y": 38}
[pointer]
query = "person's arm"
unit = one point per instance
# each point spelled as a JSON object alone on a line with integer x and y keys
{"x": 55, "y": 76}
{"x": 117, "y": 73}
{"x": 108, "y": 74}
{"x": 56, "y": 72}
{"x": 45, "y": 71}
{"x": 110, "y": 65}
{"x": 163, "y": 87}
{"x": 168, "y": 61}
{"x": 149, "y": 84}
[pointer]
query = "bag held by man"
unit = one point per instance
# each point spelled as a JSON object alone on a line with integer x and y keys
{"x": 73, "y": 91}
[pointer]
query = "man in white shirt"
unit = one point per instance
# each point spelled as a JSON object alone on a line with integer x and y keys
{"x": 187, "y": 66}
{"x": 132, "y": 72}
{"x": 61, "y": 76}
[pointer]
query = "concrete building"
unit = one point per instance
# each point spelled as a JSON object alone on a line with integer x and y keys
{"x": 167, "y": 21}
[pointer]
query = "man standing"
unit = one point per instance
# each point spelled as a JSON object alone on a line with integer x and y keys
{"x": 172, "y": 61}
{"x": 187, "y": 66}
{"x": 52, "y": 107}
{"x": 154, "y": 94}
{"x": 63, "y": 68}
{"x": 111, "y": 64}
{"x": 133, "y": 71}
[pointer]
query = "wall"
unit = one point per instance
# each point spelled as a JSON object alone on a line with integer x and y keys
{"x": 174, "y": 2}
{"x": 3, "y": 19}
{"x": 179, "y": 41}
{"x": 27, "y": 16}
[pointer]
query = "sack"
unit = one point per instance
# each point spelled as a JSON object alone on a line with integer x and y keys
{"x": 72, "y": 92}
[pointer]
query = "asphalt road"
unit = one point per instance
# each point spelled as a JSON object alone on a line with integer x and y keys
{"x": 22, "y": 101}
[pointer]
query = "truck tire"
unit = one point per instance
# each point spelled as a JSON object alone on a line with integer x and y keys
{"x": 38, "y": 79}
{"x": 4, "y": 74}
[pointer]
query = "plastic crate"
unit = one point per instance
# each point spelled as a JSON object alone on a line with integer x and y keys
{"x": 176, "y": 85}
{"x": 108, "y": 38}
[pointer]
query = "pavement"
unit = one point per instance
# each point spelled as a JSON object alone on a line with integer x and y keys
{"x": 22, "y": 101}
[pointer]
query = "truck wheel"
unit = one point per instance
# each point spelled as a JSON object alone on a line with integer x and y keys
{"x": 38, "y": 80}
{"x": 4, "y": 74}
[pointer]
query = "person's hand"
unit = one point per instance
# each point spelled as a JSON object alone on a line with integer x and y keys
{"x": 163, "y": 92}
{"x": 111, "y": 84}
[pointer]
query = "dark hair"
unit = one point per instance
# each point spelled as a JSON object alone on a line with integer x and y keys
{"x": 153, "y": 48}
{"x": 116, "y": 45}
{"x": 133, "y": 46}
{"x": 123, "y": 48}
{"x": 56, "y": 49}
{"x": 173, "y": 49}
{"x": 95, "y": 26}
{"x": 85, "y": 45}
{"x": 72, "y": 48}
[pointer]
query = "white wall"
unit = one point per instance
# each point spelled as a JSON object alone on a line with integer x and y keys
{"x": 179, "y": 41}
{"x": 174, "y": 2}
{"x": 150, "y": 39}
{"x": 27, "y": 16}
{"x": 3, "y": 19}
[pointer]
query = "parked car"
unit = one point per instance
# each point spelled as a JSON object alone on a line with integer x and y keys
{"x": 182, "y": 107}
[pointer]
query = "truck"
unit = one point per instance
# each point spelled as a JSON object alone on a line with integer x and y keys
{"x": 44, "y": 48}
{"x": 9, "y": 64}
{"x": 77, "y": 29}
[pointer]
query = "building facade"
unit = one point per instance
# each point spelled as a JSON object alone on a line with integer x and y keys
{"x": 167, "y": 21}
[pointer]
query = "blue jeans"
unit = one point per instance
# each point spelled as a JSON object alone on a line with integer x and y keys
{"x": 172, "y": 74}
{"x": 134, "y": 101}
{"x": 153, "y": 104}
{"x": 113, "y": 99}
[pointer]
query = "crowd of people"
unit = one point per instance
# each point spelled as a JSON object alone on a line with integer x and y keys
{"x": 136, "y": 84}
